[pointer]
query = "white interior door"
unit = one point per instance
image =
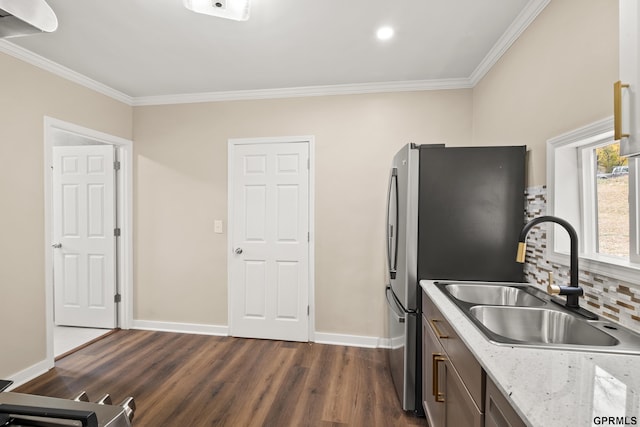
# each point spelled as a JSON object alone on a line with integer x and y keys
{"x": 269, "y": 263}
{"x": 83, "y": 233}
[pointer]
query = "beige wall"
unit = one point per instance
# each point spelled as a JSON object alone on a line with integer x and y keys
{"x": 28, "y": 94}
{"x": 556, "y": 77}
{"x": 180, "y": 155}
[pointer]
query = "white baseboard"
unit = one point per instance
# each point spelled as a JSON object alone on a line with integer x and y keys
{"x": 320, "y": 337}
{"x": 185, "y": 328}
{"x": 349, "y": 340}
{"x": 29, "y": 373}
{"x": 384, "y": 342}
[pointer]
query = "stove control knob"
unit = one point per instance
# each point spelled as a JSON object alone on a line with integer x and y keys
{"x": 105, "y": 400}
{"x": 82, "y": 397}
{"x": 129, "y": 406}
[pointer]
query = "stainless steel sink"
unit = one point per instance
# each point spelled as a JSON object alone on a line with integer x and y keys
{"x": 518, "y": 314}
{"x": 493, "y": 294}
{"x": 540, "y": 326}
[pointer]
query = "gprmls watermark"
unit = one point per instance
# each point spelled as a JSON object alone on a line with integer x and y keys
{"x": 615, "y": 421}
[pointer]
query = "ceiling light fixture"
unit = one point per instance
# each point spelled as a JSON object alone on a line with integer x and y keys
{"x": 384, "y": 33}
{"x": 23, "y": 17}
{"x": 238, "y": 10}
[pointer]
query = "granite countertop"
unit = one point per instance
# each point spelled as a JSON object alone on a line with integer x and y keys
{"x": 548, "y": 387}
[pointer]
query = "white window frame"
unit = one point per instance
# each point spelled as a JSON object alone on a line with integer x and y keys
{"x": 571, "y": 195}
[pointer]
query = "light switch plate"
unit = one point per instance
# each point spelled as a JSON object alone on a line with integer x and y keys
{"x": 217, "y": 226}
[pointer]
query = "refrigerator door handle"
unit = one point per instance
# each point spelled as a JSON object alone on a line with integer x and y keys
{"x": 392, "y": 239}
{"x": 398, "y": 312}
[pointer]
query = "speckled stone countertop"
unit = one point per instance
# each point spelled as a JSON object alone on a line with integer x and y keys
{"x": 553, "y": 388}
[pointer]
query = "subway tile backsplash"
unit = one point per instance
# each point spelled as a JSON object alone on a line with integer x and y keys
{"x": 611, "y": 298}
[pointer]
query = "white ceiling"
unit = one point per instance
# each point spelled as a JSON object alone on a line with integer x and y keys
{"x": 156, "y": 48}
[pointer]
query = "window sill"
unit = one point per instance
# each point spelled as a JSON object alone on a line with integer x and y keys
{"x": 611, "y": 267}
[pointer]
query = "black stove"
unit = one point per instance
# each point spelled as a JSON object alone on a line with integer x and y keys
{"x": 22, "y": 410}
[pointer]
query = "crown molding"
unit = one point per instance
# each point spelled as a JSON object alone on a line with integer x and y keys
{"x": 517, "y": 27}
{"x": 62, "y": 71}
{"x": 520, "y": 24}
{"x": 306, "y": 91}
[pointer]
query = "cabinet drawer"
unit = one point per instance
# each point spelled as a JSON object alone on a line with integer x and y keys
{"x": 466, "y": 364}
{"x": 436, "y": 320}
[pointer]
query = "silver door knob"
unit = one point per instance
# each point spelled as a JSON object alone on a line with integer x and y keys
{"x": 238, "y": 251}
{"x": 57, "y": 245}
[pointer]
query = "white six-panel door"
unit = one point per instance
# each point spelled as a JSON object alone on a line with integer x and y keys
{"x": 83, "y": 233}
{"x": 269, "y": 263}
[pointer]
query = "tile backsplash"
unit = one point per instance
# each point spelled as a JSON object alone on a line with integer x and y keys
{"x": 611, "y": 298}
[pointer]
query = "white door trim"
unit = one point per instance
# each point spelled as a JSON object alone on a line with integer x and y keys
{"x": 310, "y": 140}
{"x": 124, "y": 215}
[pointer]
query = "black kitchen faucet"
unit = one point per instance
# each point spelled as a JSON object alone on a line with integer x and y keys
{"x": 573, "y": 291}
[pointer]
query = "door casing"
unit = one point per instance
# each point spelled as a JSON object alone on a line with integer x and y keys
{"x": 124, "y": 214}
{"x": 310, "y": 140}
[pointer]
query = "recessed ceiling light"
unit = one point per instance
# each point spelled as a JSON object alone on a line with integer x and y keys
{"x": 384, "y": 33}
{"x": 238, "y": 10}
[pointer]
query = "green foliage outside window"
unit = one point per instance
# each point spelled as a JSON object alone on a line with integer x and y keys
{"x": 609, "y": 158}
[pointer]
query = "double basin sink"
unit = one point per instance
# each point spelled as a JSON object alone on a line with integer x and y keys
{"x": 518, "y": 314}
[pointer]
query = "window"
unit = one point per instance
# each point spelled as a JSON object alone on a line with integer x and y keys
{"x": 612, "y": 200}
{"x": 596, "y": 190}
{"x": 605, "y": 195}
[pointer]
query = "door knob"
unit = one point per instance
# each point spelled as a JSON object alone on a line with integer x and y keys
{"x": 238, "y": 251}
{"x": 57, "y": 245}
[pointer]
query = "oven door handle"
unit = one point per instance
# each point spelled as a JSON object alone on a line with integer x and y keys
{"x": 87, "y": 418}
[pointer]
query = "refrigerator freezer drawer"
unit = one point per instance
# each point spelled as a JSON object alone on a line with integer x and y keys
{"x": 402, "y": 352}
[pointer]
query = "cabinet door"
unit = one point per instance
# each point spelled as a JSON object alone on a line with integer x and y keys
{"x": 460, "y": 407}
{"x": 498, "y": 411}
{"x": 630, "y": 75}
{"x": 432, "y": 356}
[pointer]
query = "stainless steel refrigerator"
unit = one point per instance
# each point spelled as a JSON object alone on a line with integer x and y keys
{"x": 453, "y": 213}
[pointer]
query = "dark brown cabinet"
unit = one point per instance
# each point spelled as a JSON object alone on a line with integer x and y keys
{"x": 433, "y": 380}
{"x": 453, "y": 381}
{"x": 455, "y": 389}
{"x": 498, "y": 411}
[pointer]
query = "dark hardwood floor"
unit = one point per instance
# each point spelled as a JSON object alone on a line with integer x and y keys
{"x": 181, "y": 380}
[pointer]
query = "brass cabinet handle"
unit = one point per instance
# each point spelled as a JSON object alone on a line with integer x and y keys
{"x": 436, "y": 330}
{"x": 435, "y": 358}
{"x": 617, "y": 111}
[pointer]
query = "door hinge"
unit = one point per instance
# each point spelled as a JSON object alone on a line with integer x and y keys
{"x": 116, "y": 165}
{"x": 308, "y": 236}
{"x": 308, "y": 310}
{"x": 116, "y": 232}
{"x": 117, "y": 298}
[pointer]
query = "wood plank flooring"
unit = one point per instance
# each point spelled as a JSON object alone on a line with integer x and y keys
{"x": 181, "y": 380}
